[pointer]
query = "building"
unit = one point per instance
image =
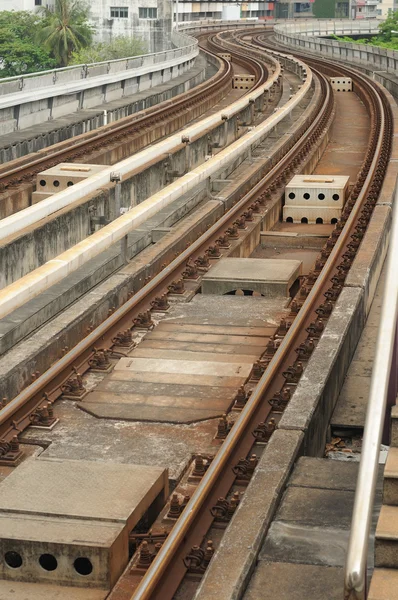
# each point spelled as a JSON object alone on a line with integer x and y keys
{"x": 149, "y": 20}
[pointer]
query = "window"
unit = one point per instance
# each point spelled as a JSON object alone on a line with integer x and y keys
{"x": 37, "y": 2}
{"x": 119, "y": 12}
{"x": 147, "y": 13}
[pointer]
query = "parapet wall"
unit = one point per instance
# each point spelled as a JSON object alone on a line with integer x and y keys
{"x": 39, "y": 97}
{"x": 307, "y": 36}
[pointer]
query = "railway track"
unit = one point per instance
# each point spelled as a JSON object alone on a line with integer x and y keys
{"x": 281, "y": 367}
{"x": 289, "y": 351}
{"x": 138, "y": 130}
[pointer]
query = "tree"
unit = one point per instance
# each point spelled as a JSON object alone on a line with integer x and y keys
{"x": 66, "y": 29}
{"x": 389, "y": 25}
{"x": 19, "y": 53}
{"x": 119, "y": 47}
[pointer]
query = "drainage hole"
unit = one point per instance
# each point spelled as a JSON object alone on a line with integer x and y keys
{"x": 48, "y": 562}
{"x": 13, "y": 559}
{"x": 83, "y": 565}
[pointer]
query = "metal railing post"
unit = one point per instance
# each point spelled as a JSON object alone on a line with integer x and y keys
{"x": 383, "y": 384}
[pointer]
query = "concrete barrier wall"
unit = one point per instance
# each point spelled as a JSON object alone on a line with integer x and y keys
{"x": 32, "y": 99}
{"x": 306, "y": 36}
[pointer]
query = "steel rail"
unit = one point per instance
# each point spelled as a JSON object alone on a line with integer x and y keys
{"x": 17, "y": 168}
{"x": 356, "y": 560}
{"x": 15, "y": 415}
{"x": 147, "y": 588}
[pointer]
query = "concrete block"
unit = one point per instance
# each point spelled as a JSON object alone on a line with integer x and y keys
{"x": 394, "y": 426}
{"x": 287, "y": 581}
{"x": 64, "y": 175}
{"x": 229, "y": 572}
{"x": 268, "y": 277}
{"x": 61, "y": 520}
{"x": 324, "y": 474}
{"x": 312, "y": 507}
{"x": 8, "y": 126}
{"x": 384, "y": 585}
{"x": 65, "y": 108}
{"x": 34, "y": 118}
{"x": 295, "y": 543}
{"x": 386, "y": 543}
{"x": 390, "y": 490}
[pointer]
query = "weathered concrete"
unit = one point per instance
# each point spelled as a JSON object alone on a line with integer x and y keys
{"x": 384, "y": 585}
{"x": 53, "y": 512}
{"x": 313, "y": 401}
{"x": 390, "y": 495}
{"x": 387, "y": 538}
{"x": 196, "y": 389}
{"x": 33, "y": 139}
{"x": 269, "y": 278}
{"x": 37, "y": 311}
{"x": 38, "y": 591}
{"x": 301, "y": 582}
{"x": 324, "y": 474}
{"x": 350, "y": 411}
{"x": 309, "y": 535}
{"x": 229, "y": 572}
{"x": 41, "y": 97}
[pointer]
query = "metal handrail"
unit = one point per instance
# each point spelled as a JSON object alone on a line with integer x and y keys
{"x": 356, "y": 562}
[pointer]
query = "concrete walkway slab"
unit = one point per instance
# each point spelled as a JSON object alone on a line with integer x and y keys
{"x": 324, "y": 474}
{"x": 151, "y": 365}
{"x": 289, "y": 542}
{"x": 212, "y": 349}
{"x": 287, "y": 581}
{"x": 206, "y": 338}
{"x": 316, "y": 507}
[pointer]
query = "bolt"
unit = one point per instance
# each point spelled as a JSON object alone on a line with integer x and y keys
{"x": 199, "y": 466}
{"x": 144, "y": 558}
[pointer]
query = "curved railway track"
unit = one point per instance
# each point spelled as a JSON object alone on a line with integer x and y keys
{"x": 282, "y": 366}
{"x": 138, "y": 130}
{"x": 287, "y": 353}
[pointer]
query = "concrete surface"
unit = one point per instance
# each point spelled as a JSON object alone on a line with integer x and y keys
{"x": 17, "y": 590}
{"x": 229, "y": 572}
{"x": 159, "y": 383}
{"x": 82, "y": 489}
{"x": 384, "y": 585}
{"x": 390, "y": 495}
{"x": 308, "y": 537}
{"x": 53, "y": 94}
{"x": 301, "y": 582}
{"x": 350, "y": 410}
{"x": 55, "y": 514}
{"x": 269, "y": 278}
{"x": 313, "y": 401}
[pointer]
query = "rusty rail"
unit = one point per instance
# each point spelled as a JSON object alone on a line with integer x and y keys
{"x": 203, "y": 96}
{"x": 159, "y": 581}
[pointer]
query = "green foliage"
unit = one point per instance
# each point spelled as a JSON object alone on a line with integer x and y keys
{"x": 56, "y": 37}
{"x": 119, "y": 47}
{"x": 19, "y": 52}
{"x": 66, "y": 29}
{"x": 391, "y": 23}
{"x": 385, "y": 39}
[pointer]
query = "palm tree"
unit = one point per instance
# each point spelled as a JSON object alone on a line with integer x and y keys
{"x": 66, "y": 29}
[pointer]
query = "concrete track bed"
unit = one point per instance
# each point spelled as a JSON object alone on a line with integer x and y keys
{"x": 306, "y": 419}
